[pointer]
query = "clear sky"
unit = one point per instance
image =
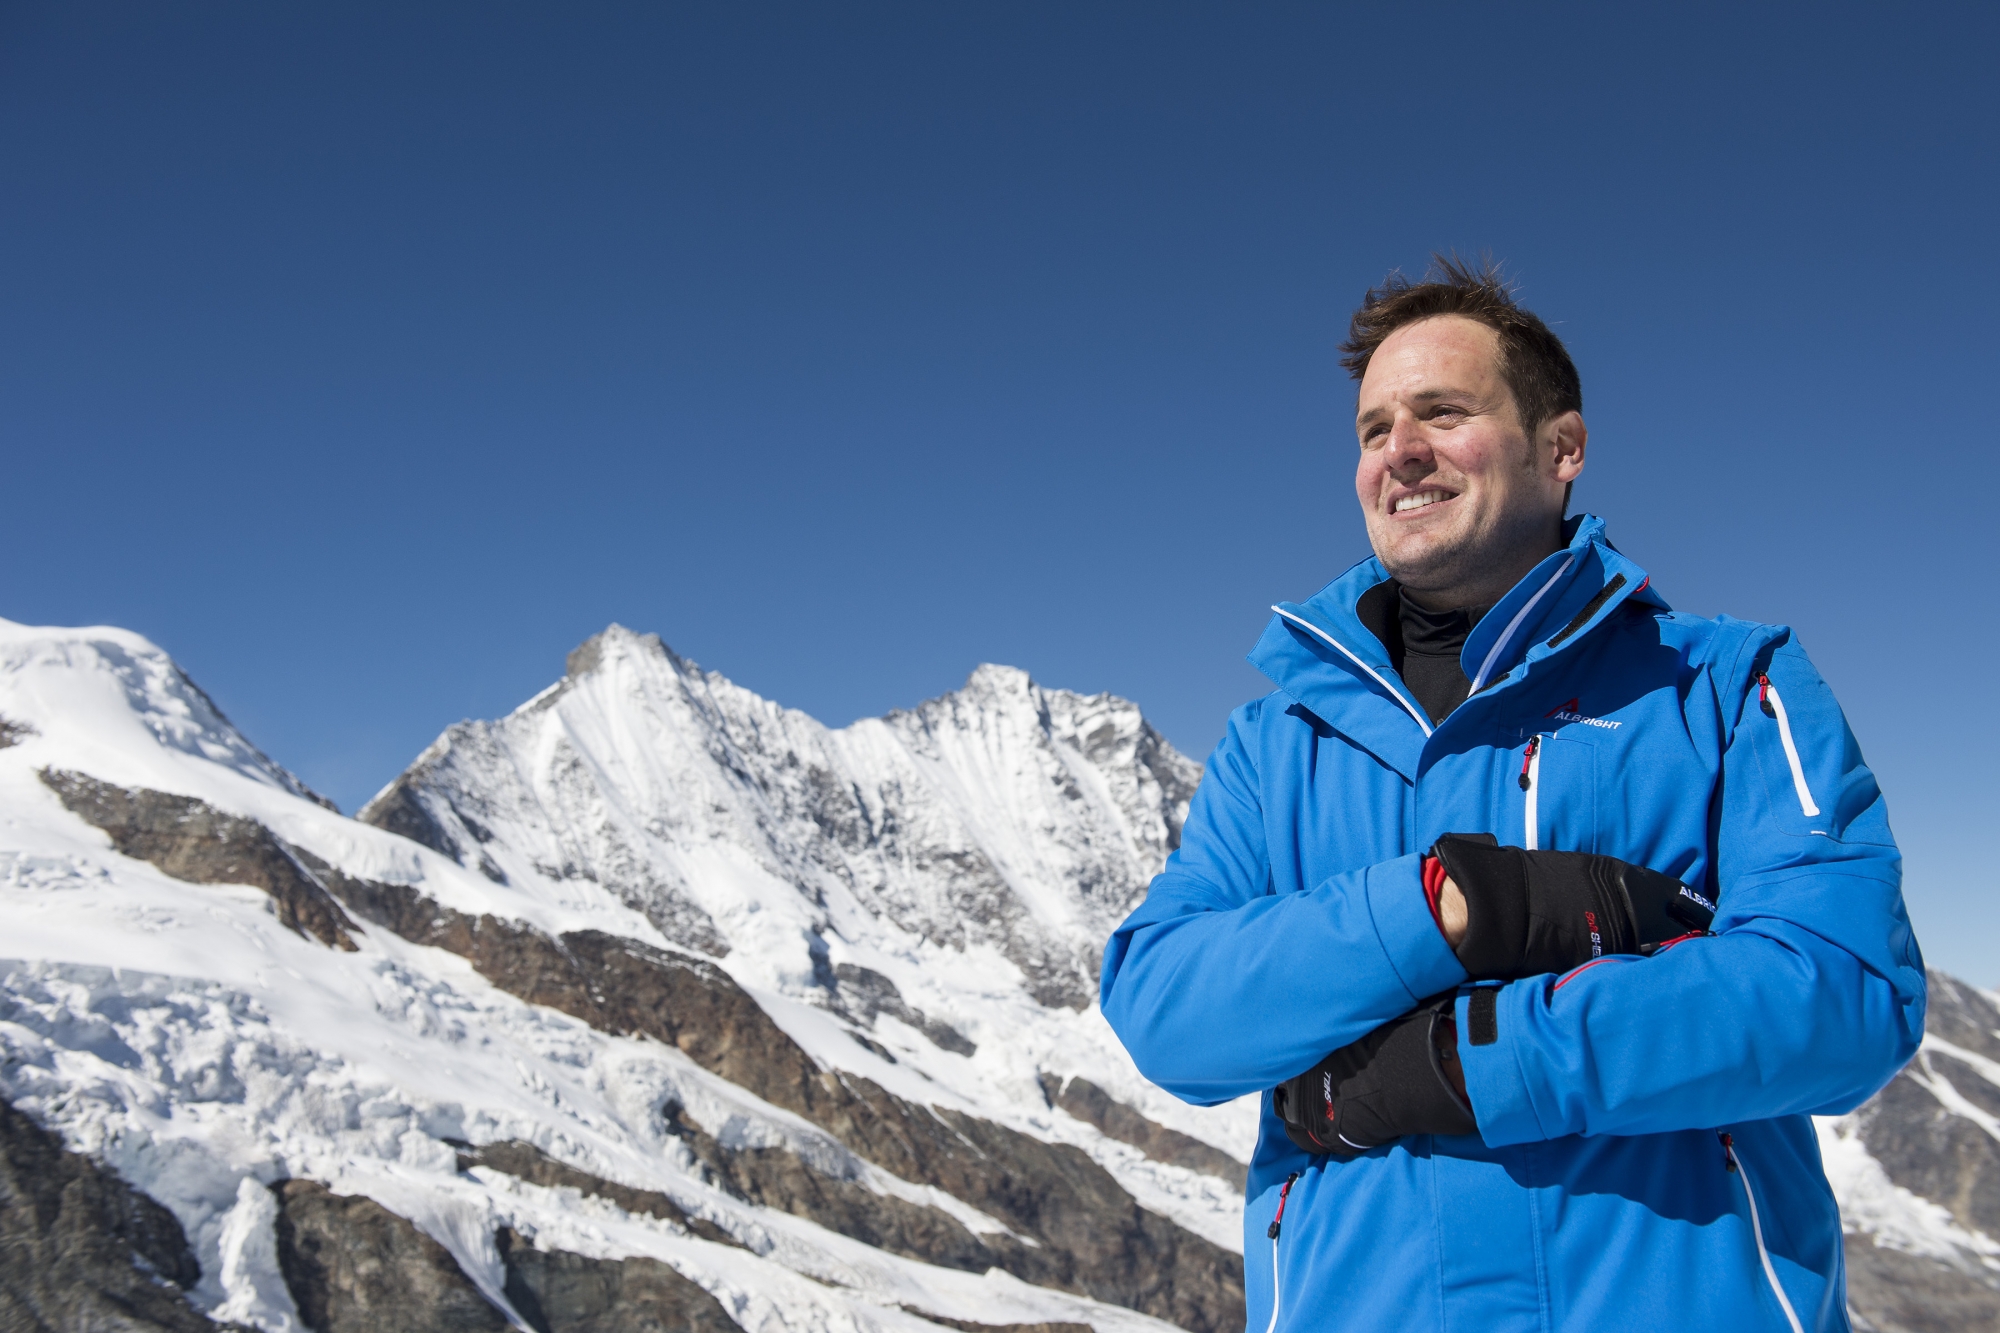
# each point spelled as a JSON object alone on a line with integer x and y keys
{"x": 369, "y": 357}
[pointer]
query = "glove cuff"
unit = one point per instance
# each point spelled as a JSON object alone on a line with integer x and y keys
{"x": 1494, "y": 883}
{"x": 1404, "y": 1089}
{"x": 1434, "y": 877}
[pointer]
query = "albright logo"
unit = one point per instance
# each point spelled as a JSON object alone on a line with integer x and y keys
{"x": 1569, "y": 712}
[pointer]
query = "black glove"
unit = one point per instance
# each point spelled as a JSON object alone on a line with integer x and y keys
{"x": 1533, "y": 912}
{"x": 1373, "y": 1091}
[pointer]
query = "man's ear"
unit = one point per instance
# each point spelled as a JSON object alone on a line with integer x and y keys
{"x": 1563, "y": 439}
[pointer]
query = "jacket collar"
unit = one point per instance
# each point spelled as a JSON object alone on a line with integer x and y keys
{"x": 1323, "y": 656}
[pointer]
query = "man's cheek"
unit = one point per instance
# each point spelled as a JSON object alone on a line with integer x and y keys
{"x": 1367, "y": 485}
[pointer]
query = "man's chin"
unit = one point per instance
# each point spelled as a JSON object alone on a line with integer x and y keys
{"x": 1432, "y": 563}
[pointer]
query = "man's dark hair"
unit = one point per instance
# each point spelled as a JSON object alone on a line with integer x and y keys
{"x": 1533, "y": 361}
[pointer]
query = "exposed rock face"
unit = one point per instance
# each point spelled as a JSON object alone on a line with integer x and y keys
{"x": 191, "y": 840}
{"x": 355, "y": 1267}
{"x": 774, "y": 1178}
{"x": 613, "y": 983}
{"x": 81, "y": 1249}
{"x": 1916, "y": 1128}
{"x": 1892, "y": 1292}
{"x": 969, "y": 1326}
{"x": 400, "y": 812}
{"x": 1093, "y": 1237}
{"x": 557, "y": 1292}
{"x": 866, "y": 993}
{"x": 527, "y": 1162}
{"x": 1094, "y": 1106}
{"x": 1925, "y": 1131}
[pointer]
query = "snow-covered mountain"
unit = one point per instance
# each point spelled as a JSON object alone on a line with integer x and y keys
{"x": 674, "y": 992}
{"x": 655, "y": 1004}
{"x": 1005, "y": 827}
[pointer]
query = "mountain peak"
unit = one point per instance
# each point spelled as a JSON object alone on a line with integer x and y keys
{"x": 114, "y": 698}
{"x": 999, "y": 678}
{"x": 1002, "y": 817}
{"x": 614, "y": 640}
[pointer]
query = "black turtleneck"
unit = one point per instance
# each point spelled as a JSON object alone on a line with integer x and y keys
{"x": 1424, "y": 646}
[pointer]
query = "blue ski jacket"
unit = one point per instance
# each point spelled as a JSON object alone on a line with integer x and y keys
{"x": 1645, "y": 1156}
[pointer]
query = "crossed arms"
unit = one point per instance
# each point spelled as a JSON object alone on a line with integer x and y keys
{"x": 1807, "y": 997}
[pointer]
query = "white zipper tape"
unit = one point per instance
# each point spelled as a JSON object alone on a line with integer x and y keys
{"x": 1791, "y": 753}
{"x": 1373, "y": 674}
{"x": 1757, "y": 1231}
{"x": 1507, "y": 635}
{"x": 1531, "y": 833}
{"x": 1272, "y": 1327}
{"x": 1277, "y": 1219}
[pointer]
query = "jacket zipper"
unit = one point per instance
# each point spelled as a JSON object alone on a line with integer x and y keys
{"x": 1773, "y": 706}
{"x": 1531, "y": 783}
{"x": 1277, "y": 1220}
{"x": 1507, "y": 635}
{"x": 1735, "y": 1167}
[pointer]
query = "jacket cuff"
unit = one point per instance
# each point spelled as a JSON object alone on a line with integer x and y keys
{"x": 1493, "y": 1080}
{"x": 1410, "y": 939}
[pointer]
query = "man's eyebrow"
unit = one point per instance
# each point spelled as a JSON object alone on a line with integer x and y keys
{"x": 1426, "y": 396}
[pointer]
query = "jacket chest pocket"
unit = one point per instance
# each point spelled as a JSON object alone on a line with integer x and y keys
{"x": 1556, "y": 795}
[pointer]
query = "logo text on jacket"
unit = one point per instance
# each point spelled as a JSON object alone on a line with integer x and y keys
{"x": 1569, "y": 712}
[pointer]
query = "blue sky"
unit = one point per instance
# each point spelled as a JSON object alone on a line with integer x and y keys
{"x": 368, "y": 357}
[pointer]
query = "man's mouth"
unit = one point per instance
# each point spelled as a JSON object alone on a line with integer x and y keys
{"x": 1422, "y": 500}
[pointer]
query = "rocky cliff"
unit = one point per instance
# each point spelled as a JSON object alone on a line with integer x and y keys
{"x": 1918, "y": 1174}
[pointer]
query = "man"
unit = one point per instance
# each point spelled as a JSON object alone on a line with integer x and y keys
{"x": 1543, "y": 916}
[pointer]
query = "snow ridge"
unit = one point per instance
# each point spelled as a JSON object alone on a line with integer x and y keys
{"x": 1007, "y": 816}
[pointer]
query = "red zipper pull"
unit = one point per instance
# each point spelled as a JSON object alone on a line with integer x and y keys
{"x": 1283, "y": 1195}
{"x": 1728, "y": 1154}
{"x": 1534, "y": 744}
{"x": 1763, "y": 694}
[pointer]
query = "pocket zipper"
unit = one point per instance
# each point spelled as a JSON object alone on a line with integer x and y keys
{"x": 1735, "y": 1166}
{"x": 1277, "y": 1221}
{"x": 1773, "y": 706}
{"x": 1531, "y": 782}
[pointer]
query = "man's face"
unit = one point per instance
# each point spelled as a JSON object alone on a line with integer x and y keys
{"x": 1453, "y": 489}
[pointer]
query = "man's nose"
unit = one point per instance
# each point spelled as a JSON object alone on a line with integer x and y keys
{"x": 1408, "y": 445}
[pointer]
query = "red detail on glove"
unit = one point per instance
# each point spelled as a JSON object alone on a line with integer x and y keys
{"x": 1574, "y": 973}
{"x": 1434, "y": 878}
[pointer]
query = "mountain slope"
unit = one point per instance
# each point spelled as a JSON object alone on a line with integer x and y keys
{"x": 248, "y": 1007}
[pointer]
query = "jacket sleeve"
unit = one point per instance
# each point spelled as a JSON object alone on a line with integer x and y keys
{"x": 1808, "y": 997}
{"x": 1220, "y": 986}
